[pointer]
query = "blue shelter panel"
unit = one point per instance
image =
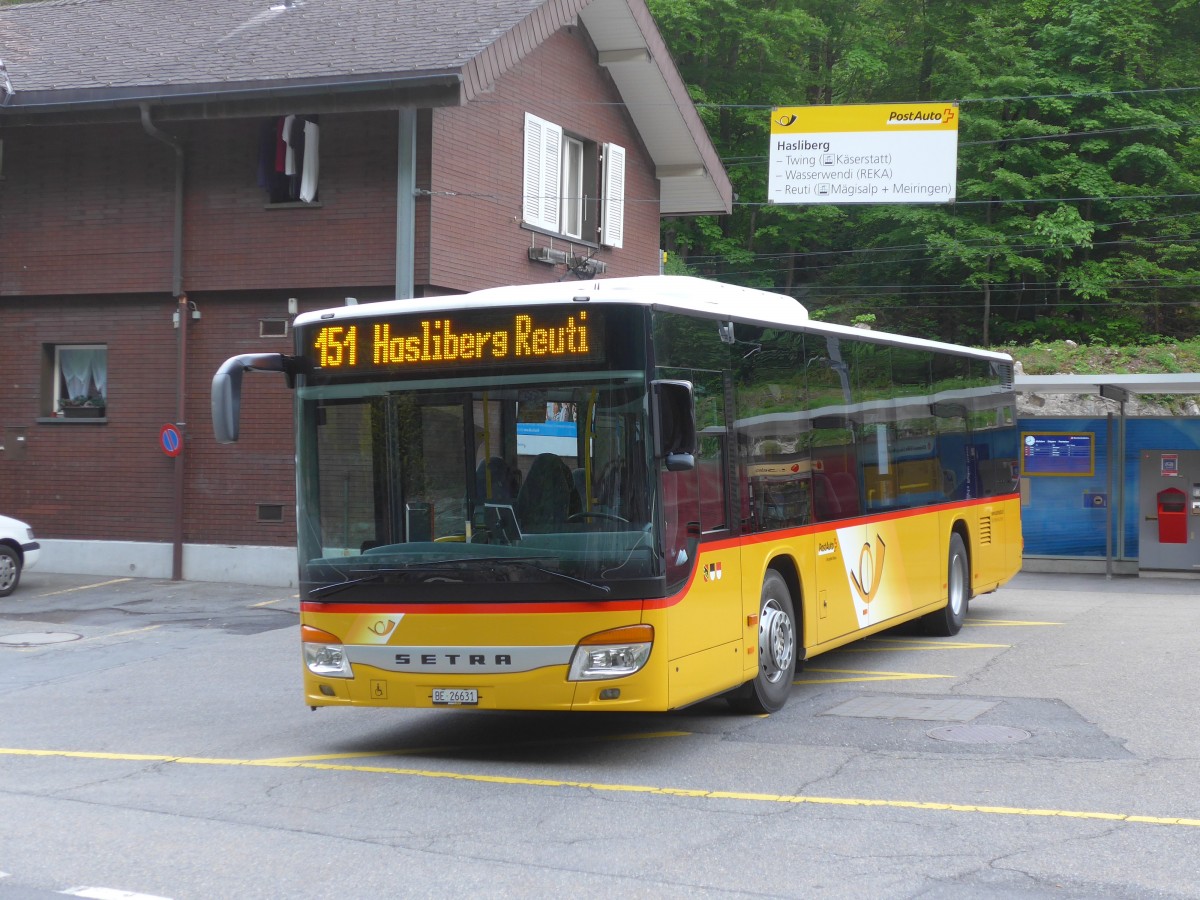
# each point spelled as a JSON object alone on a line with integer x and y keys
{"x": 1061, "y": 517}
{"x": 1064, "y": 515}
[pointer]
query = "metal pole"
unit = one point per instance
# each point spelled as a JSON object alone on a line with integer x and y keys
{"x": 183, "y": 313}
{"x": 1108, "y": 505}
{"x": 406, "y": 206}
{"x": 180, "y": 418}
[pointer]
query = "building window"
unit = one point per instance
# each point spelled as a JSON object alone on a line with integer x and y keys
{"x": 80, "y": 378}
{"x": 289, "y": 159}
{"x": 571, "y": 218}
{"x": 572, "y": 186}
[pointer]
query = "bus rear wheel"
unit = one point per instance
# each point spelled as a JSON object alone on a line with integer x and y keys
{"x": 777, "y": 648}
{"x": 949, "y": 620}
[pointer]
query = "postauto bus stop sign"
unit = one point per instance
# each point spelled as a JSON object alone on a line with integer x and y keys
{"x": 874, "y": 153}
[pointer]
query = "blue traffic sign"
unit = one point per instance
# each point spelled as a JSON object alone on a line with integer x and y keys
{"x": 170, "y": 440}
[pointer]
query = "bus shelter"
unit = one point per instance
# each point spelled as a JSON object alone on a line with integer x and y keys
{"x": 1111, "y": 489}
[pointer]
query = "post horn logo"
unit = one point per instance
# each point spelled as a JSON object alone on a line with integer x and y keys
{"x": 870, "y": 570}
{"x": 785, "y": 120}
{"x": 381, "y": 627}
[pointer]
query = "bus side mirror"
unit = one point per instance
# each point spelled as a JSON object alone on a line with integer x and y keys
{"x": 227, "y": 390}
{"x": 675, "y": 424}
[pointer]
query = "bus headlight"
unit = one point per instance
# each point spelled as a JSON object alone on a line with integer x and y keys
{"x": 611, "y": 654}
{"x": 324, "y": 654}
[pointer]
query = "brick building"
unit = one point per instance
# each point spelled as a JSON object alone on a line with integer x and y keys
{"x": 179, "y": 179}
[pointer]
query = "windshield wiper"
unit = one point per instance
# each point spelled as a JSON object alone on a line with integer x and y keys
{"x": 526, "y": 561}
{"x": 563, "y": 575}
{"x": 337, "y": 587}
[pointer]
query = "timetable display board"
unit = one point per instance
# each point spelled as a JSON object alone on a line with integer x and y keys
{"x": 1058, "y": 453}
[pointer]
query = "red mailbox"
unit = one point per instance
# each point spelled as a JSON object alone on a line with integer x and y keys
{"x": 1172, "y": 516}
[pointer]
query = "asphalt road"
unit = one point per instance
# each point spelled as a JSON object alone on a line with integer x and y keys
{"x": 154, "y": 743}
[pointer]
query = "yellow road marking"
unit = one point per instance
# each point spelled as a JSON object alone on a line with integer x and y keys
{"x": 86, "y": 587}
{"x": 464, "y": 748}
{"x": 861, "y": 675}
{"x": 97, "y": 637}
{"x": 652, "y": 790}
{"x": 272, "y": 602}
{"x": 916, "y": 644}
{"x": 991, "y": 622}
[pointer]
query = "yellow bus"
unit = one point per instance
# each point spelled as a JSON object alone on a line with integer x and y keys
{"x": 627, "y": 494}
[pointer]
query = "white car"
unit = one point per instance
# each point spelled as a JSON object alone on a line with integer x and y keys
{"x": 18, "y": 551}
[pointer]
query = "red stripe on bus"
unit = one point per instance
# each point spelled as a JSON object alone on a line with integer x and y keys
{"x": 635, "y": 605}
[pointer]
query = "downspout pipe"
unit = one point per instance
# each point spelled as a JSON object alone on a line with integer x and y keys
{"x": 177, "y": 249}
{"x": 182, "y": 317}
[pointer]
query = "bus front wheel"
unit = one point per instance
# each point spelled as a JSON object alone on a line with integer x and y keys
{"x": 777, "y": 647}
{"x": 949, "y": 620}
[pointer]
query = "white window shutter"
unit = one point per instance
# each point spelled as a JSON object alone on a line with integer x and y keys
{"x": 612, "y": 224}
{"x": 543, "y": 148}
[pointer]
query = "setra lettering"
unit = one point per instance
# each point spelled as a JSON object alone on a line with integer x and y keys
{"x": 454, "y": 660}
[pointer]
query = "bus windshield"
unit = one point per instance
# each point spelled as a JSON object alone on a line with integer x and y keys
{"x": 527, "y": 486}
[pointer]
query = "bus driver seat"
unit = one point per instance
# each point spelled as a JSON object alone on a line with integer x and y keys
{"x": 494, "y": 480}
{"x": 547, "y": 496}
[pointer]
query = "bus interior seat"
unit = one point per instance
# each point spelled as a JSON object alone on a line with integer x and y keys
{"x": 845, "y": 488}
{"x": 825, "y": 501}
{"x": 620, "y": 490}
{"x": 579, "y": 479}
{"x": 547, "y": 497}
{"x": 505, "y": 481}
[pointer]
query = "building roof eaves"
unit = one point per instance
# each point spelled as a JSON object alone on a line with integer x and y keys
{"x": 693, "y": 179}
{"x": 226, "y": 98}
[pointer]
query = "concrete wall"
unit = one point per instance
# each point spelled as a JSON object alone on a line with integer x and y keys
{"x": 269, "y": 566}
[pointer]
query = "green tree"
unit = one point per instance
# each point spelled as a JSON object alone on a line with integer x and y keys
{"x": 1076, "y": 208}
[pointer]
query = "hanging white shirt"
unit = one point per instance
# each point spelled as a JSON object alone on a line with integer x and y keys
{"x": 308, "y": 180}
{"x": 289, "y": 157}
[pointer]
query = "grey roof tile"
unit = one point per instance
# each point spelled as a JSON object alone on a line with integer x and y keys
{"x": 82, "y": 44}
{"x": 80, "y": 60}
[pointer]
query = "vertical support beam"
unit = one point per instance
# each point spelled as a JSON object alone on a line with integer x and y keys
{"x": 1110, "y": 455}
{"x": 1121, "y": 483}
{"x": 183, "y": 314}
{"x": 406, "y": 206}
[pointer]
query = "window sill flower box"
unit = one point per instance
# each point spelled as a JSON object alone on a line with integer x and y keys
{"x": 82, "y": 412}
{"x": 82, "y": 408}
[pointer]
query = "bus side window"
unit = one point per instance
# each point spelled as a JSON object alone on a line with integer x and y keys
{"x": 711, "y": 463}
{"x": 773, "y": 430}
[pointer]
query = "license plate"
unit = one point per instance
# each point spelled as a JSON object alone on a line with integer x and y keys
{"x": 456, "y": 696}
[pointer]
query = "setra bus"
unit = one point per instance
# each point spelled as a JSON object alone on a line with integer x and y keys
{"x": 627, "y": 494}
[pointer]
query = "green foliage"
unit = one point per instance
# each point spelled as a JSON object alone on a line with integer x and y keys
{"x": 1060, "y": 358}
{"x": 1077, "y": 213}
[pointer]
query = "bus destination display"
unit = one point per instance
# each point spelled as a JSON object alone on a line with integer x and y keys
{"x": 454, "y": 340}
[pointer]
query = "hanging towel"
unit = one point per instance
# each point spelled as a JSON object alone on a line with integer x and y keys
{"x": 308, "y": 181}
{"x": 289, "y": 158}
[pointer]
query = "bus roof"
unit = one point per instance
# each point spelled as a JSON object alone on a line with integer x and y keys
{"x": 696, "y": 296}
{"x": 711, "y": 299}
